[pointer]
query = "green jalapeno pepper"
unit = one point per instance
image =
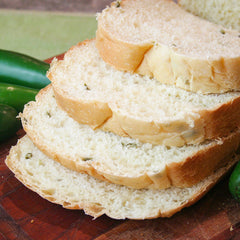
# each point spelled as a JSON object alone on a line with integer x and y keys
{"x": 16, "y": 96}
{"x": 20, "y": 69}
{"x": 234, "y": 182}
{"x": 9, "y": 124}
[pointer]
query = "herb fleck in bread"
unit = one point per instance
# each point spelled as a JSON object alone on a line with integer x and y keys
{"x": 164, "y": 41}
{"x": 80, "y": 191}
{"x": 94, "y": 93}
{"x": 223, "y": 12}
{"x": 116, "y": 159}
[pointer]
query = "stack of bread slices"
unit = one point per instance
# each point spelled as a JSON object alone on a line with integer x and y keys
{"x": 139, "y": 122}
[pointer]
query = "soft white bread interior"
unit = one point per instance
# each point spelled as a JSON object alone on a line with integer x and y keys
{"x": 94, "y": 93}
{"x": 116, "y": 159}
{"x": 80, "y": 191}
{"x": 223, "y": 12}
{"x": 162, "y": 40}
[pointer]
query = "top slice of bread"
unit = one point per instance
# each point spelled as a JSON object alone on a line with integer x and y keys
{"x": 223, "y": 12}
{"x": 116, "y": 159}
{"x": 94, "y": 93}
{"x": 80, "y": 191}
{"x": 162, "y": 40}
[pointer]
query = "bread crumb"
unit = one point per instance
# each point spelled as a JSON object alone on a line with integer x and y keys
{"x": 32, "y": 221}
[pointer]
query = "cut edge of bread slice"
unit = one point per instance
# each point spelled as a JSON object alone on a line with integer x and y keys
{"x": 128, "y": 105}
{"x": 74, "y": 190}
{"x": 116, "y": 159}
{"x": 164, "y": 41}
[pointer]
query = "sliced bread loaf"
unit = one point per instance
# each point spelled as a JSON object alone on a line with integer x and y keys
{"x": 162, "y": 40}
{"x": 116, "y": 159}
{"x": 94, "y": 93}
{"x": 224, "y": 12}
{"x": 80, "y": 191}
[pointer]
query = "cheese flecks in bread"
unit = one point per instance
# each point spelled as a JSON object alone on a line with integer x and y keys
{"x": 116, "y": 159}
{"x": 75, "y": 190}
{"x": 164, "y": 41}
{"x": 94, "y": 93}
{"x": 223, "y": 12}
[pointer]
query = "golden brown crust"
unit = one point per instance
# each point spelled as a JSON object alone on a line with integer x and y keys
{"x": 203, "y": 191}
{"x": 111, "y": 49}
{"x": 196, "y": 75}
{"x": 222, "y": 120}
{"x": 204, "y": 163}
{"x": 92, "y": 113}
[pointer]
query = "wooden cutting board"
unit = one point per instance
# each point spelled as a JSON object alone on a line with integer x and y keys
{"x": 24, "y": 215}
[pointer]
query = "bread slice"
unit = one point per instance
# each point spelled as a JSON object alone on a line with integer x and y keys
{"x": 94, "y": 93}
{"x": 116, "y": 159}
{"x": 80, "y": 191}
{"x": 162, "y": 40}
{"x": 223, "y": 12}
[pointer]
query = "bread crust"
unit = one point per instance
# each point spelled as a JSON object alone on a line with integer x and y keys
{"x": 181, "y": 174}
{"x": 166, "y": 65}
{"x": 92, "y": 113}
{"x": 211, "y": 123}
{"x": 208, "y": 160}
{"x": 96, "y": 209}
{"x": 111, "y": 50}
